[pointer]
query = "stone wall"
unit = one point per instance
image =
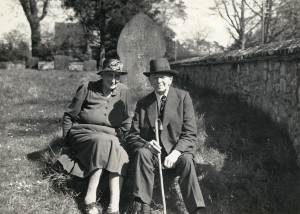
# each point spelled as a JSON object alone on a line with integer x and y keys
{"x": 267, "y": 77}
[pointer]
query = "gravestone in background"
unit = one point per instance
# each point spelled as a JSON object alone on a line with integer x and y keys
{"x": 90, "y": 65}
{"x": 140, "y": 41}
{"x": 32, "y": 63}
{"x": 61, "y": 62}
{"x": 76, "y": 66}
{"x": 43, "y": 65}
{"x": 19, "y": 65}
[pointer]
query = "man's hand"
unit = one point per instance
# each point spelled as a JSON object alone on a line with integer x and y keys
{"x": 171, "y": 159}
{"x": 153, "y": 146}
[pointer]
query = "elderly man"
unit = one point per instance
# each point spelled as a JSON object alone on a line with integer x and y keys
{"x": 177, "y": 139}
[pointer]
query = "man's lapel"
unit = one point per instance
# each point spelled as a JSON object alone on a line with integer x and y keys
{"x": 152, "y": 110}
{"x": 170, "y": 107}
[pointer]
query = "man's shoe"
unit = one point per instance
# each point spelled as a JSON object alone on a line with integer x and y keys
{"x": 133, "y": 208}
{"x": 200, "y": 210}
{"x": 91, "y": 208}
{"x": 138, "y": 208}
{"x": 145, "y": 209}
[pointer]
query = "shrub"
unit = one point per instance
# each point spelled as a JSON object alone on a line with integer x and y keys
{"x": 9, "y": 52}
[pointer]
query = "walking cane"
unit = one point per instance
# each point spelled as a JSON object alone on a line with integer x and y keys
{"x": 158, "y": 126}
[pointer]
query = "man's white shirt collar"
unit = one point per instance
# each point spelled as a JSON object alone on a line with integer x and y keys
{"x": 158, "y": 97}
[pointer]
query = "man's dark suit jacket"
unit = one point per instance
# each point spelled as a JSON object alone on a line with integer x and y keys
{"x": 179, "y": 124}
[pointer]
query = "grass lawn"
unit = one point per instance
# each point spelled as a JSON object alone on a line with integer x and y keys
{"x": 245, "y": 162}
{"x": 32, "y": 104}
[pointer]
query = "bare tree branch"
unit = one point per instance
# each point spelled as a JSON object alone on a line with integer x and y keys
{"x": 45, "y": 10}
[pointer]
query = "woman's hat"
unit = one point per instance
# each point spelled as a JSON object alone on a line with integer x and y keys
{"x": 112, "y": 65}
{"x": 160, "y": 66}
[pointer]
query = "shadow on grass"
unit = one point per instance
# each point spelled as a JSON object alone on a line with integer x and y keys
{"x": 60, "y": 181}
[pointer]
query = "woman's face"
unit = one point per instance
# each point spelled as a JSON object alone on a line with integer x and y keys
{"x": 110, "y": 79}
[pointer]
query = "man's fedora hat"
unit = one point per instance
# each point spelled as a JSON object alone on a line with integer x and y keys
{"x": 160, "y": 66}
{"x": 112, "y": 65}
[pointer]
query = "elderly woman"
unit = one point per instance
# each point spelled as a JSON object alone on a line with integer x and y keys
{"x": 94, "y": 125}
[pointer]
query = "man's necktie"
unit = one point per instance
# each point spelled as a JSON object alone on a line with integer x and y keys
{"x": 162, "y": 106}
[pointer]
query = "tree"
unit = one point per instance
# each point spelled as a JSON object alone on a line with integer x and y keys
{"x": 255, "y": 22}
{"x": 196, "y": 44}
{"x": 31, "y": 10}
{"x": 281, "y": 21}
{"x": 162, "y": 12}
{"x": 240, "y": 19}
{"x": 166, "y": 10}
{"x": 13, "y": 47}
{"x": 103, "y": 20}
{"x": 288, "y": 13}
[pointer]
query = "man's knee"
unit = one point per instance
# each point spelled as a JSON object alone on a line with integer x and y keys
{"x": 144, "y": 160}
{"x": 185, "y": 161}
{"x": 143, "y": 155}
{"x": 143, "y": 152}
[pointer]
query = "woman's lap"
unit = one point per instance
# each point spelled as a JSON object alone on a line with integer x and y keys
{"x": 96, "y": 150}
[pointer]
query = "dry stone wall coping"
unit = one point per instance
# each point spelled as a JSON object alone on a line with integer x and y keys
{"x": 288, "y": 49}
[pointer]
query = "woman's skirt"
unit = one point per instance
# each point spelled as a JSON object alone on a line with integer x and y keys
{"x": 95, "y": 147}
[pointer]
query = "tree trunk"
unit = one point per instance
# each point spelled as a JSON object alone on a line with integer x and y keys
{"x": 243, "y": 27}
{"x": 243, "y": 41}
{"x": 30, "y": 8}
{"x": 35, "y": 39}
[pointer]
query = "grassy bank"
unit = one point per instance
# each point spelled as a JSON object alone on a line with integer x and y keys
{"x": 245, "y": 162}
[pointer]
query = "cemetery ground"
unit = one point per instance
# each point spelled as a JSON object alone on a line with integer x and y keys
{"x": 245, "y": 162}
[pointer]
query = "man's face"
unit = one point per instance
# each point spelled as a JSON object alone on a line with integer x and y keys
{"x": 160, "y": 82}
{"x": 110, "y": 79}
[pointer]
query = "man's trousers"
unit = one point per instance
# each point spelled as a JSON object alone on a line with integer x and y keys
{"x": 145, "y": 164}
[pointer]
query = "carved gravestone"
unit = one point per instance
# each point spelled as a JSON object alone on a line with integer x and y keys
{"x": 76, "y": 66}
{"x": 42, "y": 65}
{"x": 32, "y": 63}
{"x": 90, "y": 65}
{"x": 61, "y": 62}
{"x": 140, "y": 41}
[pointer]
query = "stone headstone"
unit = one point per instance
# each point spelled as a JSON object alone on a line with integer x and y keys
{"x": 90, "y": 65}
{"x": 76, "y": 66}
{"x": 140, "y": 41}
{"x": 43, "y": 65}
{"x": 3, "y": 65}
{"x": 61, "y": 62}
{"x": 32, "y": 63}
{"x": 9, "y": 66}
{"x": 20, "y": 65}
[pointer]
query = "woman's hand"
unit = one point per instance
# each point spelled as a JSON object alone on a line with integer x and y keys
{"x": 119, "y": 133}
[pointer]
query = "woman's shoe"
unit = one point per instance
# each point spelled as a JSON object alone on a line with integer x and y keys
{"x": 91, "y": 208}
{"x": 108, "y": 211}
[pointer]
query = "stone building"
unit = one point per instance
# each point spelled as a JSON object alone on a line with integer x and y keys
{"x": 70, "y": 33}
{"x": 73, "y": 37}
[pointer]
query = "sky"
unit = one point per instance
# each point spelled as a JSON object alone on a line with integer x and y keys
{"x": 199, "y": 19}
